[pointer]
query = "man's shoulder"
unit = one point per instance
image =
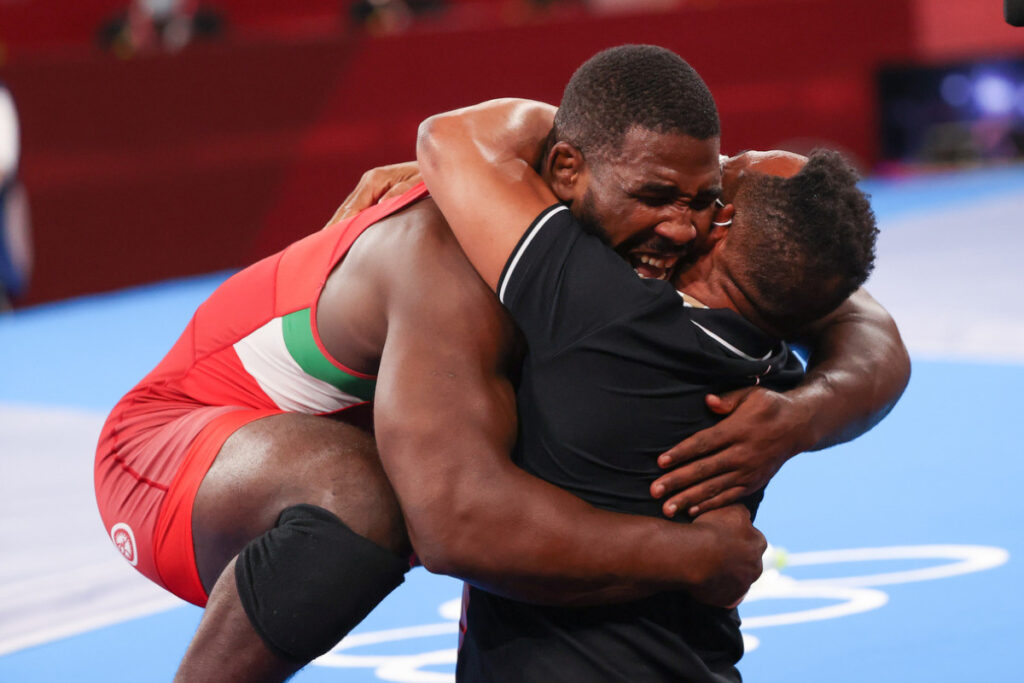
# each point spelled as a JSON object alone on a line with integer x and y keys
{"x": 414, "y": 255}
{"x": 404, "y": 273}
{"x": 407, "y": 236}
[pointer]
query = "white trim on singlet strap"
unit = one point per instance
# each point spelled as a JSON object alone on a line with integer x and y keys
{"x": 524, "y": 244}
{"x": 690, "y": 302}
{"x": 730, "y": 346}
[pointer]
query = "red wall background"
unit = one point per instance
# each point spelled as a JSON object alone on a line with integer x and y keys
{"x": 169, "y": 165}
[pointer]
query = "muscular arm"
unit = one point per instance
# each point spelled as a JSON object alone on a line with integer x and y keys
{"x": 856, "y": 373}
{"x": 445, "y": 421}
{"x": 857, "y": 370}
{"x": 479, "y": 161}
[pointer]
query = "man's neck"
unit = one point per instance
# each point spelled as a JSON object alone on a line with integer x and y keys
{"x": 700, "y": 282}
{"x": 715, "y": 289}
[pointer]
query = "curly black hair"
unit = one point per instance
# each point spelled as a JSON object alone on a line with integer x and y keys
{"x": 804, "y": 243}
{"x": 633, "y": 85}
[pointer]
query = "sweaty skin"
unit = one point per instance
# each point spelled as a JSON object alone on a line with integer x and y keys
{"x": 445, "y": 423}
{"x": 406, "y": 305}
{"x": 858, "y": 368}
{"x": 857, "y": 371}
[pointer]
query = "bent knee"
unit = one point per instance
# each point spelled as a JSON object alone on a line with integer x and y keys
{"x": 293, "y": 459}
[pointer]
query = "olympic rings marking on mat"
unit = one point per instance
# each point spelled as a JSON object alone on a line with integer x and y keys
{"x": 854, "y": 594}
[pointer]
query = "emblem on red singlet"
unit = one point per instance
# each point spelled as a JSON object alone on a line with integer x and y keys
{"x": 124, "y": 539}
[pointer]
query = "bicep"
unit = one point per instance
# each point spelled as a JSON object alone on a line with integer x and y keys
{"x": 486, "y": 190}
{"x": 859, "y": 325}
{"x": 444, "y": 412}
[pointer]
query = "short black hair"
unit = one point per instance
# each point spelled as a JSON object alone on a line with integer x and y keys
{"x": 630, "y": 86}
{"x": 805, "y": 243}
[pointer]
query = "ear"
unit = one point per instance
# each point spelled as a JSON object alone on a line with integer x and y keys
{"x": 721, "y": 223}
{"x": 565, "y": 168}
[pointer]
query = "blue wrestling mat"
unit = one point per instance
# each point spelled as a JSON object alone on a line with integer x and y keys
{"x": 902, "y": 549}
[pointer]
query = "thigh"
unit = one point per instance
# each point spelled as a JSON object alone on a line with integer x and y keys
{"x": 283, "y": 460}
{"x": 143, "y": 461}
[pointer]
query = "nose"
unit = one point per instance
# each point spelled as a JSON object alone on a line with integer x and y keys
{"x": 677, "y": 228}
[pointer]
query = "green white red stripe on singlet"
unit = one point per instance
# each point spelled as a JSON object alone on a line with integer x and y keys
{"x": 284, "y": 359}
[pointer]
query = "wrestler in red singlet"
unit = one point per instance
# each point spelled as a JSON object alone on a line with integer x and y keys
{"x": 251, "y": 350}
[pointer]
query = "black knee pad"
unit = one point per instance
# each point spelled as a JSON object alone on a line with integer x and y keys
{"x": 308, "y": 581}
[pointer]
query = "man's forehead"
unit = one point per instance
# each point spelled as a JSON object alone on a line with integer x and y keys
{"x": 649, "y": 159}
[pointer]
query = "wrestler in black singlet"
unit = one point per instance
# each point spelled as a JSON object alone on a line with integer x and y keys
{"x": 616, "y": 373}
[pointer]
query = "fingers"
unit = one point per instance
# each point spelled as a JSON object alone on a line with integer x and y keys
{"x": 726, "y": 497}
{"x": 399, "y": 188}
{"x": 376, "y": 185}
{"x": 361, "y": 197}
{"x": 706, "y": 484}
{"x": 716, "y": 404}
{"x": 723, "y": 404}
{"x": 394, "y": 180}
{"x": 687, "y": 476}
{"x": 726, "y": 511}
{"x": 715, "y": 438}
{"x": 707, "y": 496}
{"x": 701, "y": 444}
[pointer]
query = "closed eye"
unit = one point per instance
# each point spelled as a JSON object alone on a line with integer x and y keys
{"x": 701, "y": 203}
{"x": 656, "y": 200}
{"x": 697, "y": 204}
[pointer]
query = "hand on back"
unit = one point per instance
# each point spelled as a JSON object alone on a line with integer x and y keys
{"x": 377, "y": 185}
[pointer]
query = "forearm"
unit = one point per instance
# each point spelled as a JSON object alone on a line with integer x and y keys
{"x": 473, "y": 514}
{"x": 856, "y": 373}
{"x": 540, "y": 544}
{"x": 444, "y": 437}
{"x": 493, "y": 132}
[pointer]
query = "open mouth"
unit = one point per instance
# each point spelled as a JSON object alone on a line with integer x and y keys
{"x": 652, "y": 266}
